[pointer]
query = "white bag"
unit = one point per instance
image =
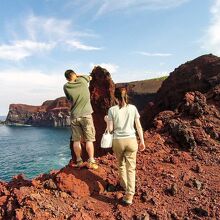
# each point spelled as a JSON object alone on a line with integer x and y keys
{"x": 106, "y": 141}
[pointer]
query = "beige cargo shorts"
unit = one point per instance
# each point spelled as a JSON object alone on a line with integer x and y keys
{"x": 83, "y": 129}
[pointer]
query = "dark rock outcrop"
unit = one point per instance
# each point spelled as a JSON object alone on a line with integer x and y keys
{"x": 182, "y": 133}
{"x": 102, "y": 98}
{"x": 193, "y": 123}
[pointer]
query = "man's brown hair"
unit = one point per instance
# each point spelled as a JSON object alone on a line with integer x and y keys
{"x": 68, "y": 74}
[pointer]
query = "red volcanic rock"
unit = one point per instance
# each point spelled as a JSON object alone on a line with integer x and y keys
{"x": 19, "y": 181}
{"x": 213, "y": 96}
{"x": 102, "y": 98}
{"x": 193, "y": 123}
{"x": 3, "y": 189}
{"x": 162, "y": 118}
{"x": 86, "y": 182}
{"x": 102, "y": 89}
{"x": 201, "y": 74}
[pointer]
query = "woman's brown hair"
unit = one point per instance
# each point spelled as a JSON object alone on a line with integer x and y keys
{"x": 121, "y": 96}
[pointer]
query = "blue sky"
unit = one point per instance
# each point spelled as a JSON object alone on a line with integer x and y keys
{"x": 133, "y": 39}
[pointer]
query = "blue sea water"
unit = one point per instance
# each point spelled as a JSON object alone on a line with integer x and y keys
{"x": 32, "y": 150}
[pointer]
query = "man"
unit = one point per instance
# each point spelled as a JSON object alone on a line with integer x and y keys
{"x": 77, "y": 91}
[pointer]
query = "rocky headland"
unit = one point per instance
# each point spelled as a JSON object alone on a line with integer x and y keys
{"x": 177, "y": 175}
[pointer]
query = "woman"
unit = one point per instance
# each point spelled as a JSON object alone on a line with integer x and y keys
{"x": 121, "y": 119}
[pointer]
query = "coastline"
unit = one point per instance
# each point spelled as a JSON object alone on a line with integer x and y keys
{"x": 16, "y": 124}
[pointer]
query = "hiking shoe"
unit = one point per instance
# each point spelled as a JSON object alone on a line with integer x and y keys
{"x": 93, "y": 165}
{"x": 71, "y": 163}
{"x": 79, "y": 163}
{"x": 127, "y": 199}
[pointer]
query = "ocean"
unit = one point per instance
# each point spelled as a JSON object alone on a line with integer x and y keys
{"x": 32, "y": 150}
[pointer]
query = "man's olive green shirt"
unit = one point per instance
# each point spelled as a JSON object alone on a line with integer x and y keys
{"x": 78, "y": 93}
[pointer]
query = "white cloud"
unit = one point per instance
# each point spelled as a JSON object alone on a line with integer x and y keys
{"x": 43, "y": 33}
{"x": 48, "y": 28}
{"x": 154, "y": 54}
{"x": 28, "y": 87}
{"x": 112, "y": 68}
{"x": 19, "y": 50}
{"x": 116, "y": 5}
{"x": 211, "y": 40}
{"x": 81, "y": 46}
{"x": 59, "y": 30}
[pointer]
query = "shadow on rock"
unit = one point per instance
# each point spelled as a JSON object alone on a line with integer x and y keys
{"x": 83, "y": 182}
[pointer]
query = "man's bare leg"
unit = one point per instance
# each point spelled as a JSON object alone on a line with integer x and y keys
{"x": 77, "y": 150}
{"x": 90, "y": 150}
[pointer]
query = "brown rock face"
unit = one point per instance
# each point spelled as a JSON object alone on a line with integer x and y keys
{"x": 53, "y": 113}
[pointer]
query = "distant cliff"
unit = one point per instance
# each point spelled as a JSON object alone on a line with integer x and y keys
{"x": 51, "y": 113}
{"x": 143, "y": 91}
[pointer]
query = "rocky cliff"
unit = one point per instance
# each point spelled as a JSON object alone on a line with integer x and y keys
{"x": 51, "y": 113}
